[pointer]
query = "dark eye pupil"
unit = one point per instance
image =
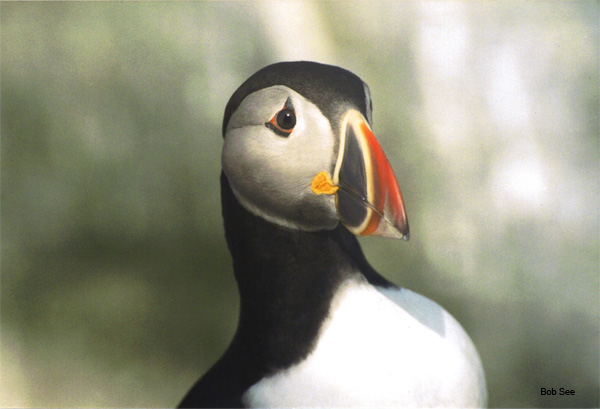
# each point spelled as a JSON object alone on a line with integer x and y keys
{"x": 286, "y": 119}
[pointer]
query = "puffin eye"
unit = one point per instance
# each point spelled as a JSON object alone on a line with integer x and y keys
{"x": 284, "y": 121}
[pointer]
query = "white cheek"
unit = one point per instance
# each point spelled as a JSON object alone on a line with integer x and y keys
{"x": 271, "y": 177}
{"x": 311, "y": 145}
{"x": 244, "y": 155}
{"x": 270, "y": 174}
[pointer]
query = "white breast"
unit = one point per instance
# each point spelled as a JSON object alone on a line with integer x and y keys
{"x": 381, "y": 348}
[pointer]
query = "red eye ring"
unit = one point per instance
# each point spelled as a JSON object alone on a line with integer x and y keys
{"x": 283, "y": 122}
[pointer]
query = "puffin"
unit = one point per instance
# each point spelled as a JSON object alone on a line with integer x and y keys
{"x": 302, "y": 176}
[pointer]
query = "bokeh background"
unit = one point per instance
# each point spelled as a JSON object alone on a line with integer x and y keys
{"x": 117, "y": 287}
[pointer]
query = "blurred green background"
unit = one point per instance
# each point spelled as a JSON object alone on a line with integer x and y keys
{"x": 117, "y": 287}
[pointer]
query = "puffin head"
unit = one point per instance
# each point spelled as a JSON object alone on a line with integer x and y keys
{"x": 299, "y": 152}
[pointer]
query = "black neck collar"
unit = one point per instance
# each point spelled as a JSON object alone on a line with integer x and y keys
{"x": 287, "y": 279}
{"x": 277, "y": 262}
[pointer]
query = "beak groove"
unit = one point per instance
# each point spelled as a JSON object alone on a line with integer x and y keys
{"x": 369, "y": 201}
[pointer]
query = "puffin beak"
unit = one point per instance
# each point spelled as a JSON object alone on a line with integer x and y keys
{"x": 368, "y": 201}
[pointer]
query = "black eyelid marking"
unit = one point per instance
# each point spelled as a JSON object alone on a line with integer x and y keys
{"x": 276, "y": 130}
{"x": 288, "y": 104}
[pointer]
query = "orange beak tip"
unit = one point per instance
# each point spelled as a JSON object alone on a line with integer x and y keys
{"x": 370, "y": 201}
